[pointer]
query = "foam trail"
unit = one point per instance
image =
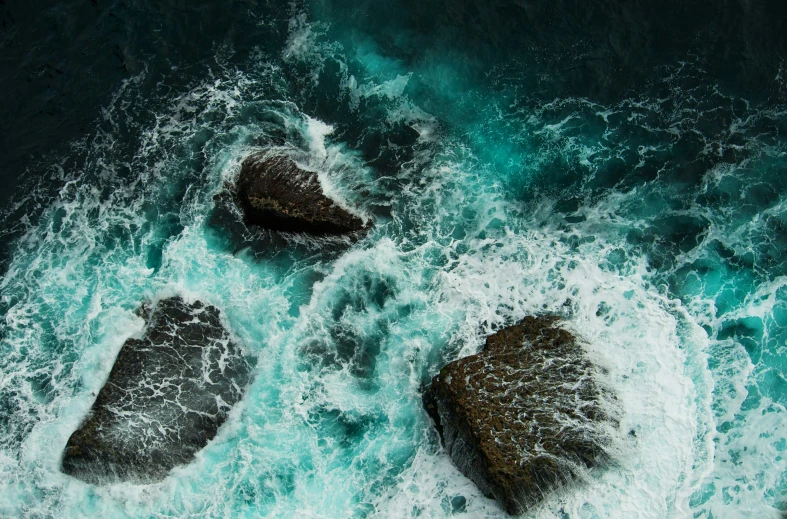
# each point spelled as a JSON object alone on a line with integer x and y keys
{"x": 486, "y": 207}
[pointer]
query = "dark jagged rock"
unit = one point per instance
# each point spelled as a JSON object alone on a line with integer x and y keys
{"x": 522, "y": 417}
{"x": 275, "y": 193}
{"x": 165, "y": 398}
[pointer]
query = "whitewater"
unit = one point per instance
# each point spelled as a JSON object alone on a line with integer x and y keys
{"x": 654, "y": 226}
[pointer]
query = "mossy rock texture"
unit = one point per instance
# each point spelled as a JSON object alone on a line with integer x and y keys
{"x": 525, "y": 415}
{"x": 165, "y": 399}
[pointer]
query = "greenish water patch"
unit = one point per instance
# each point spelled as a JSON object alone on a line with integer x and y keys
{"x": 654, "y": 223}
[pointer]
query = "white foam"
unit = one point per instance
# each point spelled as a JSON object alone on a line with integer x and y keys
{"x": 466, "y": 263}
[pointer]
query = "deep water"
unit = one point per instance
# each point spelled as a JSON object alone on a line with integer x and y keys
{"x": 623, "y": 167}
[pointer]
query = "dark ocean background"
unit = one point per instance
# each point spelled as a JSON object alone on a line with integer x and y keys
{"x": 622, "y": 164}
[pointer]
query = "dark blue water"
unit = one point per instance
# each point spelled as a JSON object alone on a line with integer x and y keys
{"x": 623, "y": 166}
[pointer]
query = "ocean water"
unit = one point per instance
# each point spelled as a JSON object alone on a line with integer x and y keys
{"x": 653, "y": 219}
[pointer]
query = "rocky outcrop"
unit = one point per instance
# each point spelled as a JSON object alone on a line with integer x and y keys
{"x": 274, "y": 193}
{"x": 164, "y": 400}
{"x": 522, "y": 417}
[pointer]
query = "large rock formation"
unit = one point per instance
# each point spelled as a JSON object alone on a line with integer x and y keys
{"x": 522, "y": 417}
{"x": 165, "y": 398}
{"x": 275, "y": 193}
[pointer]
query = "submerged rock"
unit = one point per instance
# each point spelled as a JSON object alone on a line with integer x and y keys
{"x": 522, "y": 417}
{"x": 164, "y": 400}
{"x": 274, "y": 193}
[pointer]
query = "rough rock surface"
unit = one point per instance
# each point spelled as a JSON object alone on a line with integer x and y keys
{"x": 165, "y": 398}
{"x": 275, "y": 193}
{"x": 522, "y": 417}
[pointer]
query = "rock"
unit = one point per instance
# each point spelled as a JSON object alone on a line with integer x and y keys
{"x": 275, "y": 193}
{"x": 164, "y": 400}
{"x": 522, "y": 417}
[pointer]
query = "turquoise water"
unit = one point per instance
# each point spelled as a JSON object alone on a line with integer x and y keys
{"x": 656, "y": 225}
